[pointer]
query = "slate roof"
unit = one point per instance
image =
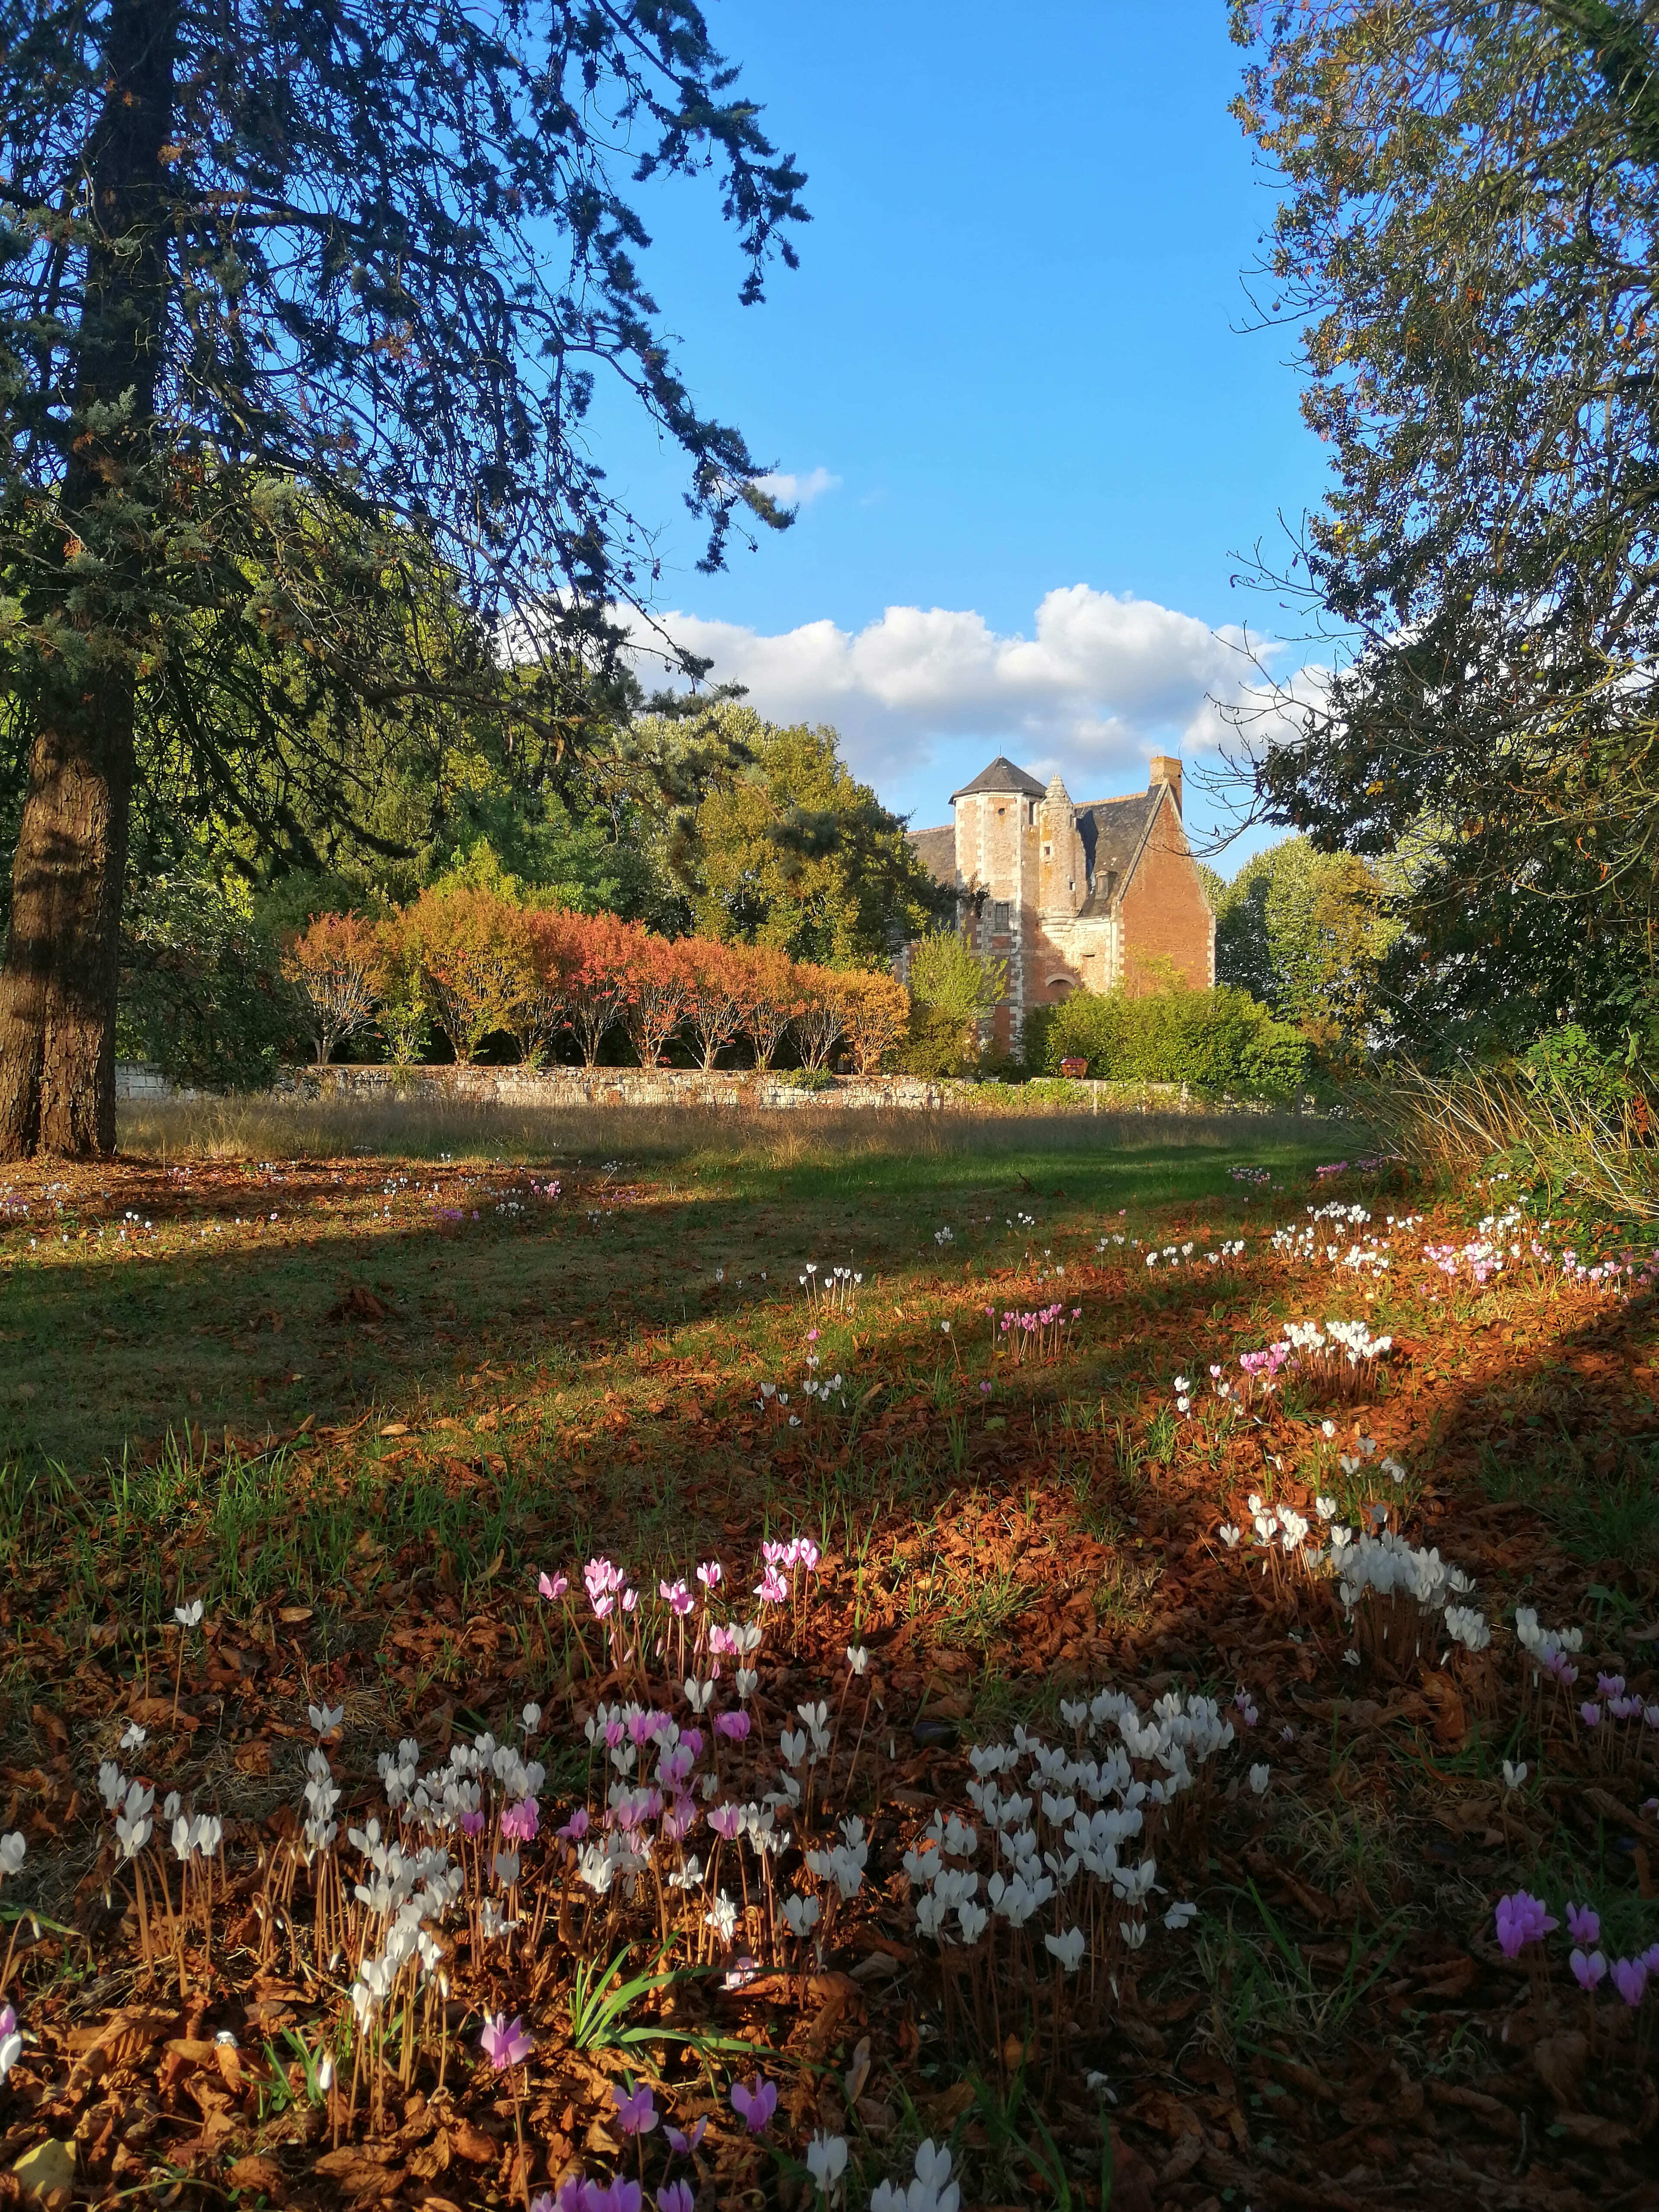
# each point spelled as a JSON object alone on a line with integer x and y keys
{"x": 938, "y": 851}
{"x": 1001, "y": 776}
{"x": 1113, "y": 831}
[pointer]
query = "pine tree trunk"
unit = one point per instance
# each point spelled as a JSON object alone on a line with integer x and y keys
{"x": 63, "y": 956}
{"x": 62, "y": 952}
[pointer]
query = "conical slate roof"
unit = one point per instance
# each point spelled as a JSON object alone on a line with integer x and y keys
{"x": 1001, "y": 776}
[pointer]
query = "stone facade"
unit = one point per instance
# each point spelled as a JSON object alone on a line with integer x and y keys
{"x": 1071, "y": 895}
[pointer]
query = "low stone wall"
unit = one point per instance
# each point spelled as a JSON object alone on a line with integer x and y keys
{"x": 138, "y": 1082}
{"x": 743, "y": 1089}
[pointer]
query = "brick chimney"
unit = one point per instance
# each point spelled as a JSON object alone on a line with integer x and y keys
{"x": 1166, "y": 769}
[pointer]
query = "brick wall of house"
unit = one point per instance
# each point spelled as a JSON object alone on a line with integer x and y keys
{"x": 1166, "y": 916}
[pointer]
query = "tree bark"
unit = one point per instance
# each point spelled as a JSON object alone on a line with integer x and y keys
{"x": 58, "y": 986}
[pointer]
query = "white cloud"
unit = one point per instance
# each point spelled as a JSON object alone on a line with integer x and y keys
{"x": 1102, "y": 682}
{"x": 790, "y": 490}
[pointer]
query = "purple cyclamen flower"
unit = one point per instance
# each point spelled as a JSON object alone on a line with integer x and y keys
{"x": 576, "y": 1827}
{"x": 1590, "y": 1714}
{"x": 1630, "y": 1978}
{"x": 520, "y": 1821}
{"x": 505, "y": 2042}
{"x": 755, "y": 2106}
{"x": 1583, "y": 1923}
{"x": 635, "y": 2113}
{"x": 733, "y": 1725}
{"x": 1521, "y": 1920}
{"x": 472, "y": 1824}
{"x": 1609, "y": 1685}
{"x": 1588, "y": 1972}
{"x": 684, "y": 2145}
{"x": 676, "y": 2196}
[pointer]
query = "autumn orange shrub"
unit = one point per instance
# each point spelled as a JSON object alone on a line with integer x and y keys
{"x": 717, "y": 992}
{"x": 820, "y": 1021}
{"x": 332, "y": 964}
{"x": 772, "y": 997}
{"x": 474, "y": 953}
{"x": 876, "y": 1014}
{"x": 596, "y": 978}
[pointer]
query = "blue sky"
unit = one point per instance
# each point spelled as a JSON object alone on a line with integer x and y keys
{"x": 1012, "y": 377}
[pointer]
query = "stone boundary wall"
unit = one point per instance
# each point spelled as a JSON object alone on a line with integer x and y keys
{"x": 136, "y": 1080}
{"x": 742, "y": 1089}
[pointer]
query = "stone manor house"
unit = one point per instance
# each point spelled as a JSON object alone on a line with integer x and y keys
{"x": 1074, "y": 895}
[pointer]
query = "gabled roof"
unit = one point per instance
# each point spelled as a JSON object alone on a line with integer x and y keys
{"x": 1114, "y": 832}
{"x": 937, "y": 849}
{"x": 1001, "y": 776}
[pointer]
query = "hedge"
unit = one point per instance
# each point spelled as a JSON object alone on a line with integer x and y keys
{"x": 1214, "y": 1041}
{"x": 477, "y": 966}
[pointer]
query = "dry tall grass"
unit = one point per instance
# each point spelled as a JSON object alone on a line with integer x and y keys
{"x": 1456, "y": 1125}
{"x": 270, "y": 1127}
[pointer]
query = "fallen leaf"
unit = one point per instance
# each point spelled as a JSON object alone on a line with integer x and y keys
{"x": 1559, "y": 2060}
{"x": 48, "y": 2167}
{"x": 1590, "y": 2128}
{"x": 258, "y": 2176}
{"x": 472, "y": 2143}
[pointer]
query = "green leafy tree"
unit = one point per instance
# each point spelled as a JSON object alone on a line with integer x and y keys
{"x": 1305, "y": 932}
{"x": 792, "y": 851}
{"x": 284, "y": 284}
{"x": 952, "y": 991}
{"x": 202, "y": 996}
{"x": 1469, "y": 197}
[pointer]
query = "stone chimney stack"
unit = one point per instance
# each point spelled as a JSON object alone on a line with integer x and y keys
{"x": 1166, "y": 769}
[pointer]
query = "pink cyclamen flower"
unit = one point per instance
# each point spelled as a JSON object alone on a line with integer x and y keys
{"x": 755, "y": 2106}
{"x": 772, "y": 1590}
{"x": 709, "y": 1574}
{"x": 984, "y": 1389}
{"x": 1588, "y": 1972}
{"x": 1583, "y": 1923}
{"x": 520, "y": 1821}
{"x": 1630, "y": 1978}
{"x": 553, "y": 1586}
{"x": 635, "y": 2113}
{"x": 1521, "y": 1920}
{"x": 576, "y": 1827}
{"x": 505, "y": 2042}
{"x": 676, "y": 2196}
{"x": 679, "y": 1600}
{"x": 691, "y": 1739}
{"x": 630, "y": 1598}
{"x": 735, "y": 1725}
{"x": 726, "y": 1821}
{"x": 684, "y": 2145}
{"x": 807, "y": 1553}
